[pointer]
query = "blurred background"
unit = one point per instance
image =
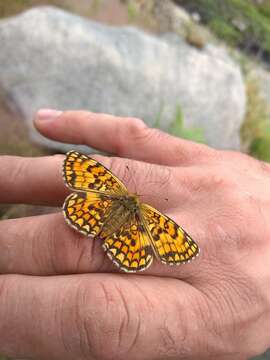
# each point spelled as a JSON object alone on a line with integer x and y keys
{"x": 196, "y": 69}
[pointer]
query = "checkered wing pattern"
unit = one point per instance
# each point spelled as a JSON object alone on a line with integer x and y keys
{"x": 171, "y": 244}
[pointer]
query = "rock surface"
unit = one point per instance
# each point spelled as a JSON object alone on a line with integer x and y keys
{"x": 51, "y": 58}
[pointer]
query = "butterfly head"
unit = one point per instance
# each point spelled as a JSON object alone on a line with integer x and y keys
{"x": 131, "y": 202}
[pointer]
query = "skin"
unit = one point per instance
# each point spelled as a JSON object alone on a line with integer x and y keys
{"x": 62, "y": 298}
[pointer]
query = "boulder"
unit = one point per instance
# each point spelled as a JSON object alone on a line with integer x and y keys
{"x": 51, "y": 58}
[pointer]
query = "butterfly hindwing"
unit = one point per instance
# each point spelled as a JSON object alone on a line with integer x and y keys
{"x": 86, "y": 174}
{"x": 86, "y": 212}
{"x": 171, "y": 244}
{"x": 129, "y": 247}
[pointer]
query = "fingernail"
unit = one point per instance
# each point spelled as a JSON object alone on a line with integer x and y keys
{"x": 48, "y": 114}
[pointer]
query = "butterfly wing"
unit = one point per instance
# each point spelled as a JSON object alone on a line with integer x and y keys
{"x": 129, "y": 247}
{"x": 171, "y": 244}
{"x": 87, "y": 212}
{"x": 86, "y": 174}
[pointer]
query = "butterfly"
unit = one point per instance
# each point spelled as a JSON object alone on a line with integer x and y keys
{"x": 131, "y": 232}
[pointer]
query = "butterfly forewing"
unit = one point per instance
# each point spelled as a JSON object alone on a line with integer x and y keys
{"x": 171, "y": 243}
{"x": 83, "y": 173}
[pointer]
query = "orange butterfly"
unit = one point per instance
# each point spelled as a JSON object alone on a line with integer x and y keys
{"x": 131, "y": 232}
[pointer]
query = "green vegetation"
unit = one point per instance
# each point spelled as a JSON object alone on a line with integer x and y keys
{"x": 260, "y": 147}
{"x": 12, "y": 7}
{"x": 8, "y": 8}
{"x": 132, "y": 11}
{"x": 95, "y": 6}
{"x": 256, "y": 128}
{"x": 177, "y": 128}
{"x": 243, "y": 23}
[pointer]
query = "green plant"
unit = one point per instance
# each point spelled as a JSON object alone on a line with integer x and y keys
{"x": 260, "y": 147}
{"x": 13, "y": 7}
{"x": 255, "y": 132}
{"x": 177, "y": 128}
{"x": 225, "y": 31}
{"x": 8, "y": 8}
{"x": 243, "y": 23}
{"x": 95, "y": 6}
{"x": 132, "y": 11}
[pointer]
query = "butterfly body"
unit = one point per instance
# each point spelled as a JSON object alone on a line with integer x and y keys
{"x": 130, "y": 202}
{"x": 131, "y": 232}
{"x": 120, "y": 211}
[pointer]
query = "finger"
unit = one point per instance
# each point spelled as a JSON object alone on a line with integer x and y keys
{"x": 69, "y": 317}
{"x": 125, "y": 137}
{"x": 32, "y": 180}
{"x": 46, "y": 245}
{"x": 40, "y": 181}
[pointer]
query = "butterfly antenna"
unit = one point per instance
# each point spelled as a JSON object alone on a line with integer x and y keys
{"x": 155, "y": 196}
{"x": 133, "y": 180}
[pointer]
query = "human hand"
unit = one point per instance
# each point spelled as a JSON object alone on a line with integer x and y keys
{"x": 61, "y": 297}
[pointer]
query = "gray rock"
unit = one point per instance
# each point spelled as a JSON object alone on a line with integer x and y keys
{"x": 51, "y": 58}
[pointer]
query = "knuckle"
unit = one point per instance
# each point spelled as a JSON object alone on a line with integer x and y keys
{"x": 174, "y": 330}
{"x": 121, "y": 168}
{"x": 70, "y": 121}
{"x": 229, "y": 299}
{"x": 8, "y": 284}
{"x": 137, "y": 132}
{"x": 79, "y": 250}
{"x": 117, "y": 166}
{"x": 101, "y": 325}
{"x": 75, "y": 124}
{"x": 190, "y": 152}
{"x": 110, "y": 323}
{"x": 58, "y": 246}
{"x": 238, "y": 161}
{"x": 130, "y": 172}
{"x": 153, "y": 134}
{"x": 53, "y": 245}
{"x": 3, "y": 287}
{"x": 133, "y": 130}
{"x": 217, "y": 179}
{"x": 70, "y": 321}
{"x": 170, "y": 340}
{"x": 134, "y": 127}
{"x": 264, "y": 167}
{"x": 49, "y": 243}
{"x": 217, "y": 340}
{"x": 197, "y": 181}
{"x": 129, "y": 325}
{"x": 18, "y": 172}
{"x": 81, "y": 322}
